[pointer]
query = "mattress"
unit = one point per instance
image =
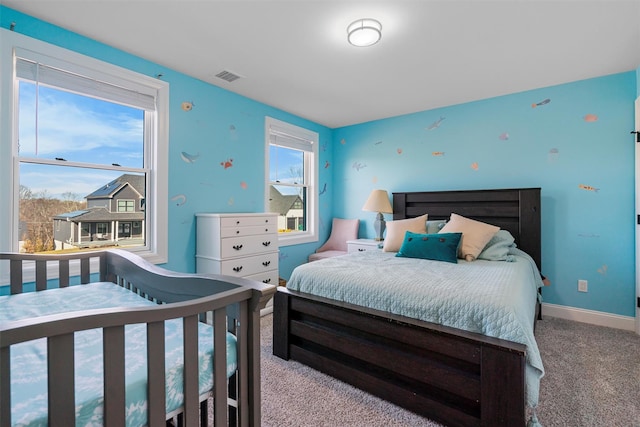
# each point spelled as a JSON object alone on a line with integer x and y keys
{"x": 493, "y": 298}
{"x": 29, "y": 360}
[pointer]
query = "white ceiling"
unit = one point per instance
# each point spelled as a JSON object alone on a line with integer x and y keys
{"x": 294, "y": 55}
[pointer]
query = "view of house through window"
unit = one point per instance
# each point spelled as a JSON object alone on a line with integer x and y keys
{"x": 288, "y": 189}
{"x": 81, "y": 168}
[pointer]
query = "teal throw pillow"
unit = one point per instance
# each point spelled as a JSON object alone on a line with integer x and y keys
{"x": 436, "y": 247}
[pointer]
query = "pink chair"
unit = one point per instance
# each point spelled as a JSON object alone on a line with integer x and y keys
{"x": 341, "y": 231}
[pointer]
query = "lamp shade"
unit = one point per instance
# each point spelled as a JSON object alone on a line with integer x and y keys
{"x": 378, "y": 201}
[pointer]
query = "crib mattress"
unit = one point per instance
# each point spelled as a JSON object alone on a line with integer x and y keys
{"x": 29, "y": 360}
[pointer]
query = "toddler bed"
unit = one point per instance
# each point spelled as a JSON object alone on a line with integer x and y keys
{"x": 90, "y": 354}
{"x": 451, "y": 341}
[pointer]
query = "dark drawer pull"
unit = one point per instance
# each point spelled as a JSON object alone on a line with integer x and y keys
{"x": 267, "y": 280}
{"x": 238, "y": 222}
{"x": 237, "y": 247}
{"x": 266, "y": 243}
{"x": 237, "y": 231}
{"x": 266, "y": 263}
{"x": 361, "y": 250}
{"x": 237, "y": 269}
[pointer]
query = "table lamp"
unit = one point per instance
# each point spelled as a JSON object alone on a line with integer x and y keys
{"x": 378, "y": 201}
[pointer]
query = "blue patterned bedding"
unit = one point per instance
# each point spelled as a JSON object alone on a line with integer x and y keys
{"x": 493, "y": 298}
{"x": 28, "y": 360}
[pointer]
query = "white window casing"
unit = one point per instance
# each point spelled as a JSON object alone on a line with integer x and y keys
{"x": 22, "y": 57}
{"x": 290, "y": 136}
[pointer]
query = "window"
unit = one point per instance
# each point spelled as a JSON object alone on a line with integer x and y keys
{"x": 291, "y": 182}
{"x": 76, "y": 131}
{"x": 126, "y": 206}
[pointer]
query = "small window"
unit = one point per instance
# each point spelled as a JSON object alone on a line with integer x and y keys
{"x": 126, "y": 206}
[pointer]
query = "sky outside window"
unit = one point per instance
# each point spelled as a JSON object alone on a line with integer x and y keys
{"x": 287, "y": 167}
{"x": 78, "y": 129}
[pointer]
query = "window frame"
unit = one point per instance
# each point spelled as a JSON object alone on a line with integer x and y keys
{"x": 274, "y": 126}
{"x": 156, "y": 249}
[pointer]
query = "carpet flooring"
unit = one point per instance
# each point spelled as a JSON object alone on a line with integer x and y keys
{"x": 592, "y": 379}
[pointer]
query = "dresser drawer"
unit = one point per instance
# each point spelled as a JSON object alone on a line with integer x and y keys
{"x": 268, "y": 277}
{"x": 248, "y": 230}
{"x": 234, "y": 247}
{"x": 363, "y": 245}
{"x": 241, "y": 267}
{"x": 245, "y": 221}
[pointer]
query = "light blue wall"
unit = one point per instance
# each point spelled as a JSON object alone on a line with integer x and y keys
{"x": 221, "y": 126}
{"x": 576, "y": 147}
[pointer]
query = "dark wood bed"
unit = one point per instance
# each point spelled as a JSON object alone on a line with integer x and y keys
{"x": 448, "y": 375}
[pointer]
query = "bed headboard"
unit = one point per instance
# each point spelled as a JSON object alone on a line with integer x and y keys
{"x": 516, "y": 210}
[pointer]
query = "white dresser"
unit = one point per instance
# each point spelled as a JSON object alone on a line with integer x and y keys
{"x": 240, "y": 245}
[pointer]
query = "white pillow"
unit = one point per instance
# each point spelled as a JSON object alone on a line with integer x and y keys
{"x": 475, "y": 235}
{"x": 396, "y": 229}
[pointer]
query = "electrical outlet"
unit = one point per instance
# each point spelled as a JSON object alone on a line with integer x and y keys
{"x": 582, "y": 285}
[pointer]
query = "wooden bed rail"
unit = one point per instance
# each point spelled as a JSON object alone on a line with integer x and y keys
{"x": 455, "y": 377}
{"x": 231, "y": 304}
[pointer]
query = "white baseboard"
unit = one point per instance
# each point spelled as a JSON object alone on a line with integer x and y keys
{"x": 589, "y": 316}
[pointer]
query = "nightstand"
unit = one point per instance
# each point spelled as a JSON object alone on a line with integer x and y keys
{"x": 362, "y": 245}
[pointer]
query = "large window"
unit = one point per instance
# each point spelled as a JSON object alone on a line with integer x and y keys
{"x": 80, "y": 134}
{"x": 291, "y": 189}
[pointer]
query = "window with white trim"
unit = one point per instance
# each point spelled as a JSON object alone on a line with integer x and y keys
{"x": 79, "y": 131}
{"x": 291, "y": 183}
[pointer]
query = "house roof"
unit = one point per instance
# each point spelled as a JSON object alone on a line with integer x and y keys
{"x": 100, "y": 214}
{"x": 279, "y": 202}
{"x": 111, "y": 188}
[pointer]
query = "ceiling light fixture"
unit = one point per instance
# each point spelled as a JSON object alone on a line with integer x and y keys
{"x": 364, "y": 32}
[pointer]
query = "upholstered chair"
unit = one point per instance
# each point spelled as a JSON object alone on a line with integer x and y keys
{"x": 341, "y": 231}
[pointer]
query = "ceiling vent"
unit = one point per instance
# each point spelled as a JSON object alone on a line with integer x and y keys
{"x": 228, "y": 76}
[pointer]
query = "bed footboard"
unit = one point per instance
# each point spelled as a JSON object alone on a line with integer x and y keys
{"x": 228, "y": 304}
{"x": 448, "y": 375}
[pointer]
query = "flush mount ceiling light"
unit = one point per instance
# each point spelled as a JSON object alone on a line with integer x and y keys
{"x": 364, "y": 32}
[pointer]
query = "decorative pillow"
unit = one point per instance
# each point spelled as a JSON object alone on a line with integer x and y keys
{"x": 498, "y": 247}
{"x": 396, "y": 230}
{"x": 475, "y": 235}
{"x": 435, "y": 226}
{"x": 436, "y": 247}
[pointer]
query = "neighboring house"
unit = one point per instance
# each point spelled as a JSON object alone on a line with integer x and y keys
{"x": 114, "y": 215}
{"x": 289, "y": 208}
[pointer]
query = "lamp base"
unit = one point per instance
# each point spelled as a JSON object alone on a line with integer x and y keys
{"x": 379, "y": 226}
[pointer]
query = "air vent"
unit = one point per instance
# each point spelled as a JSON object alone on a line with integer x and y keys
{"x": 228, "y": 76}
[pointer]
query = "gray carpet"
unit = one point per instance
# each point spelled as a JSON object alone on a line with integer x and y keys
{"x": 592, "y": 379}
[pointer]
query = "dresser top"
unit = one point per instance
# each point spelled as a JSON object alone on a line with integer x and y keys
{"x": 235, "y": 215}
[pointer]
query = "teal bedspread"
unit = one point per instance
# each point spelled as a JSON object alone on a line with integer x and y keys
{"x": 29, "y": 362}
{"x": 493, "y": 298}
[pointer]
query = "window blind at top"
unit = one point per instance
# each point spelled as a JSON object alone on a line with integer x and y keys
{"x": 141, "y": 97}
{"x": 289, "y": 141}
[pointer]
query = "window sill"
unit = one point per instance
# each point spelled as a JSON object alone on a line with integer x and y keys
{"x": 284, "y": 240}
